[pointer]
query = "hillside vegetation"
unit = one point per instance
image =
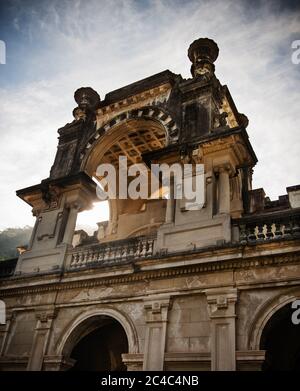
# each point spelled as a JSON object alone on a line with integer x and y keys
{"x": 11, "y": 238}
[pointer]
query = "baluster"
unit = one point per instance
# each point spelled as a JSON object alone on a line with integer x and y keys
{"x": 144, "y": 249}
{"x": 131, "y": 251}
{"x": 107, "y": 254}
{"x": 124, "y": 252}
{"x": 260, "y": 232}
{"x": 100, "y": 257}
{"x": 74, "y": 260}
{"x": 278, "y": 230}
{"x": 95, "y": 257}
{"x": 287, "y": 232}
{"x": 118, "y": 252}
{"x": 85, "y": 258}
{"x": 80, "y": 258}
{"x": 137, "y": 249}
{"x": 89, "y": 257}
{"x": 243, "y": 233}
{"x": 113, "y": 253}
{"x": 150, "y": 248}
{"x": 269, "y": 233}
{"x": 251, "y": 233}
{"x": 110, "y": 253}
{"x": 296, "y": 228}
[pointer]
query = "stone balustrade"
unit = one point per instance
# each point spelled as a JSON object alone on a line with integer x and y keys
{"x": 114, "y": 252}
{"x": 266, "y": 227}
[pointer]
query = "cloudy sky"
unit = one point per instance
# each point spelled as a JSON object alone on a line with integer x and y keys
{"x": 55, "y": 46}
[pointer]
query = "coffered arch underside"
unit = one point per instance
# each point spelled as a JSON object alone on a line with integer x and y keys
{"x": 131, "y": 134}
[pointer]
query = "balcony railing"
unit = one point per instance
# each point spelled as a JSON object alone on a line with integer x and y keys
{"x": 266, "y": 227}
{"x": 115, "y": 252}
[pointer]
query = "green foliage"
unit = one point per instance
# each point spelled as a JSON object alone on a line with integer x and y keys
{"x": 11, "y": 238}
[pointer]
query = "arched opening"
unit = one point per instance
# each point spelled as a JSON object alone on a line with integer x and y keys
{"x": 281, "y": 340}
{"x": 97, "y": 344}
{"x": 128, "y": 139}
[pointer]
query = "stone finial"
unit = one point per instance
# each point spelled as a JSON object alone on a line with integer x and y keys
{"x": 87, "y": 98}
{"x": 203, "y": 52}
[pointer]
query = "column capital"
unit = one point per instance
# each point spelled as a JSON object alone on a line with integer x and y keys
{"x": 157, "y": 309}
{"x": 10, "y": 315}
{"x": 224, "y": 168}
{"x": 76, "y": 205}
{"x": 221, "y": 302}
{"x": 45, "y": 316}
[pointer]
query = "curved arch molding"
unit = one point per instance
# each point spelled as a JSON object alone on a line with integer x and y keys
{"x": 80, "y": 320}
{"x": 149, "y": 112}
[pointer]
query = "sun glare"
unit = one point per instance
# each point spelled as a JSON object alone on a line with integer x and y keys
{"x": 88, "y": 220}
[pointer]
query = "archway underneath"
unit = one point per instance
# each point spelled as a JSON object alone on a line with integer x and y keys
{"x": 281, "y": 340}
{"x": 100, "y": 346}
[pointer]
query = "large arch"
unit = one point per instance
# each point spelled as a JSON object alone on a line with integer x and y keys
{"x": 265, "y": 317}
{"x": 114, "y": 128}
{"x": 280, "y": 339}
{"x": 88, "y": 322}
{"x": 264, "y": 314}
{"x": 129, "y": 134}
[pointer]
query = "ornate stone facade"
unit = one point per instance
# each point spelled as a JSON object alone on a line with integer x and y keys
{"x": 159, "y": 286}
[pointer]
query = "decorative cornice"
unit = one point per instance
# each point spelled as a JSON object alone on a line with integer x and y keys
{"x": 135, "y": 275}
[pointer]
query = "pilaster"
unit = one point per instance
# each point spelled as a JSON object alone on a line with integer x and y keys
{"x": 5, "y": 331}
{"x": 156, "y": 322}
{"x": 40, "y": 338}
{"x": 221, "y": 308}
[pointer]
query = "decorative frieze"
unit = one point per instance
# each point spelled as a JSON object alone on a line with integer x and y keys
{"x": 134, "y": 275}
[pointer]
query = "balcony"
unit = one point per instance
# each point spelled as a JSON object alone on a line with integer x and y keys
{"x": 267, "y": 227}
{"x": 250, "y": 229}
{"x": 112, "y": 253}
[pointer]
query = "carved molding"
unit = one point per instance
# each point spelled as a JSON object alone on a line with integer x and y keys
{"x": 221, "y": 302}
{"x": 237, "y": 264}
{"x": 51, "y": 233}
{"x": 148, "y": 112}
{"x": 45, "y": 315}
{"x": 157, "y": 309}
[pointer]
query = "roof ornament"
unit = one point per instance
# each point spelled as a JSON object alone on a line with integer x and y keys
{"x": 88, "y": 100}
{"x": 203, "y": 52}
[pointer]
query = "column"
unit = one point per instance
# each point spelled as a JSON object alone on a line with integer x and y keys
{"x": 221, "y": 307}
{"x": 5, "y": 330}
{"x": 170, "y": 203}
{"x": 223, "y": 188}
{"x": 71, "y": 224}
{"x": 156, "y": 329}
{"x": 40, "y": 339}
